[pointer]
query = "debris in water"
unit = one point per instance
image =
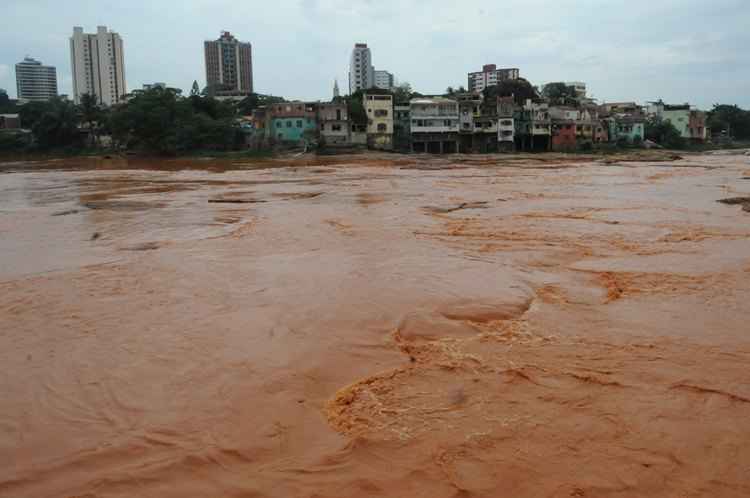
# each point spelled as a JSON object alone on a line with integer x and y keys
{"x": 236, "y": 201}
{"x": 732, "y": 201}
{"x": 65, "y": 213}
{"x": 463, "y": 205}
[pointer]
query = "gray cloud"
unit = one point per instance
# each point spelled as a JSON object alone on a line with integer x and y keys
{"x": 678, "y": 50}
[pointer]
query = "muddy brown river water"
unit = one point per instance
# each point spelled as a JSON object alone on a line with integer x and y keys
{"x": 375, "y": 326}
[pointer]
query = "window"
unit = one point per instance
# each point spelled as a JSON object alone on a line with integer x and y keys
{"x": 382, "y": 127}
{"x": 380, "y": 113}
{"x": 278, "y": 124}
{"x": 299, "y": 123}
{"x": 288, "y": 124}
{"x": 338, "y": 114}
{"x": 335, "y": 127}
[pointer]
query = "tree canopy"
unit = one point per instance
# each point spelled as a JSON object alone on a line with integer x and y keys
{"x": 664, "y": 133}
{"x": 520, "y": 89}
{"x": 53, "y": 123}
{"x": 255, "y": 100}
{"x": 560, "y": 94}
{"x": 160, "y": 120}
{"x": 7, "y": 106}
{"x": 731, "y": 119}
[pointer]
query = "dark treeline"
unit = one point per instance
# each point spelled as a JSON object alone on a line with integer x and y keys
{"x": 158, "y": 120}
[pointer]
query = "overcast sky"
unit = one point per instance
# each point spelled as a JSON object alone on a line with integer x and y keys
{"x": 695, "y": 51}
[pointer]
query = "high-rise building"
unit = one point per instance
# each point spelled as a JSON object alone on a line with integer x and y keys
{"x": 229, "y": 66}
{"x": 336, "y": 92}
{"x": 98, "y": 65}
{"x": 490, "y": 75}
{"x": 361, "y": 72}
{"x": 35, "y": 81}
{"x": 384, "y": 80}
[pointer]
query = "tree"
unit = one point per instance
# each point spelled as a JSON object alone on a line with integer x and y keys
{"x": 195, "y": 90}
{"x": 247, "y": 105}
{"x": 161, "y": 120}
{"x": 53, "y": 123}
{"x": 402, "y": 93}
{"x": 560, "y": 94}
{"x": 520, "y": 89}
{"x": 664, "y": 133}
{"x": 356, "y": 108}
{"x": 7, "y": 106}
{"x": 730, "y": 119}
{"x": 91, "y": 115}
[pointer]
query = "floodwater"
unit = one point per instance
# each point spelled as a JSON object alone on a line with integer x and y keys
{"x": 373, "y": 326}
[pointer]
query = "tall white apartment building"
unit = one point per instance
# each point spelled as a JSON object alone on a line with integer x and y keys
{"x": 98, "y": 65}
{"x": 35, "y": 81}
{"x": 361, "y": 71}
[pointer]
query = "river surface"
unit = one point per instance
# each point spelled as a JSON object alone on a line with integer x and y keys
{"x": 385, "y": 326}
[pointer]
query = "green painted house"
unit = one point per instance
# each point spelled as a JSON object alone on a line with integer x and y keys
{"x": 290, "y": 120}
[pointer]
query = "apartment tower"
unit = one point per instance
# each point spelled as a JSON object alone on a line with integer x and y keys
{"x": 35, "y": 81}
{"x": 229, "y": 66}
{"x": 98, "y": 65}
{"x": 384, "y": 80}
{"x": 361, "y": 72}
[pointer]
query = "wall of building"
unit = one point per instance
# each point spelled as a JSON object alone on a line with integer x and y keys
{"x": 229, "y": 65}
{"x": 680, "y": 119}
{"x": 361, "y": 71}
{"x": 98, "y": 63}
{"x": 333, "y": 121}
{"x": 383, "y": 79}
{"x": 291, "y": 129}
{"x": 35, "y": 81}
{"x": 379, "y": 109}
{"x": 564, "y": 136}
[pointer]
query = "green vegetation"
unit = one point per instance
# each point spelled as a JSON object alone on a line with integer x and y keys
{"x": 730, "y": 120}
{"x": 560, "y": 94}
{"x": 7, "y": 106}
{"x": 520, "y": 89}
{"x": 160, "y": 120}
{"x": 664, "y": 133}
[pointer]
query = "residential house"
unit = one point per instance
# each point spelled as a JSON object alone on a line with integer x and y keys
{"x": 621, "y": 108}
{"x": 587, "y": 126}
{"x": 434, "y": 125}
{"x": 628, "y": 128}
{"x": 533, "y": 126}
{"x": 401, "y": 126}
{"x": 564, "y": 127}
{"x": 379, "y": 109}
{"x": 697, "y": 125}
{"x": 484, "y": 138}
{"x": 291, "y": 122}
{"x": 469, "y": 108}
{"x": 10, "y": 122}
{"x": 691, "y": 123}
{"x": 333, "y": 121}
{"x": 506, "y": 108}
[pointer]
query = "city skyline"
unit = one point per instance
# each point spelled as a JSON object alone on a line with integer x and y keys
{"x": 626, "y": 51}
